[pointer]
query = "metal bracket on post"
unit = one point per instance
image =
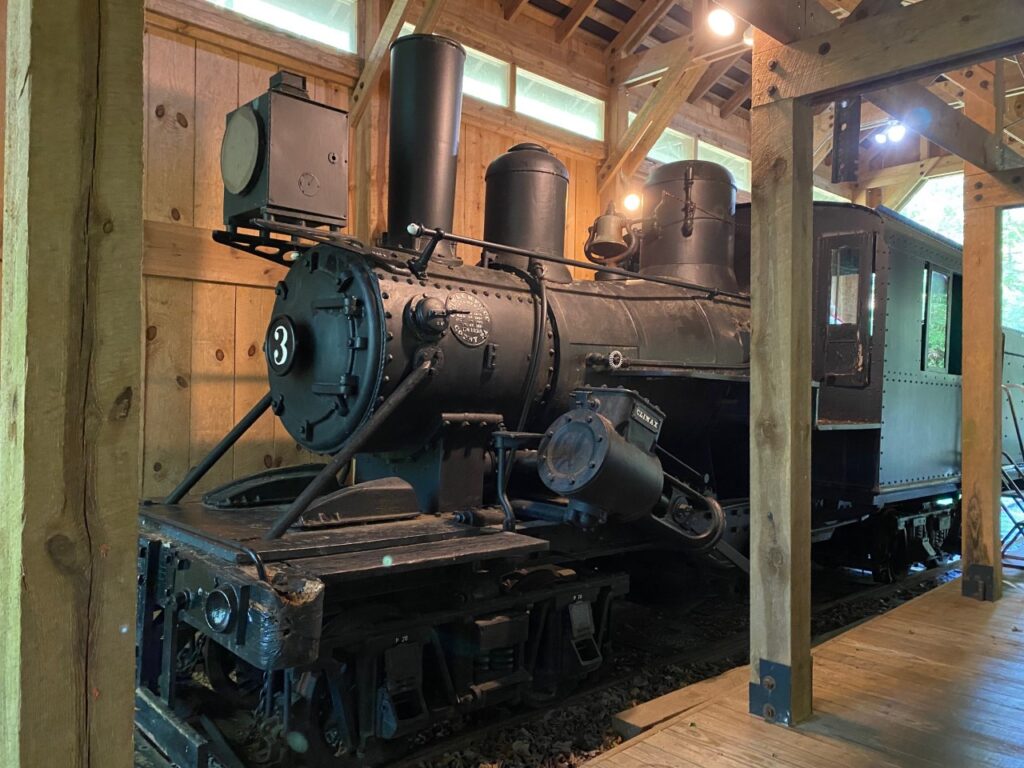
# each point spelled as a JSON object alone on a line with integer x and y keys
{"x": 772, "y": 698}
{"x": 846, "y": 141}
{"x": 977, "y": 582}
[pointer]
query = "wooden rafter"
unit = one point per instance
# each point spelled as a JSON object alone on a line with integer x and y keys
{"x": 576, "y": 16}
{"x": 428, "y": 20}
{"x": 827, "y": 65}
{"x": 639, "y": 26}
{"x": 735, "y": 101}
{"x": 804, "y": 73}
{"x": 714, "y": 73}
{"x": 511, "y": 8}
{"x": 377, "y": 59}
{"x": 917, "y": 109}
{"x": 900, "y": 181}
{"x": 648, "y": 66}
{"x": 671, "y": 92}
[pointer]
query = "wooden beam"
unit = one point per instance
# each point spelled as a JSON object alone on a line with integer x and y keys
{"x": 653, "y": 117}
{"x": 647, "y": 66}
{"x": 431, "y": 15}
{"x": 616, "y": 123}
{"x": 925, "y": 113}
{"x": 735, "y": 101}
{"x": 782, "y": 20}
{"x": 780, "y": 410}
{"x": 576, "y": 16}
{"x": 715, "y": 72}
{"x": 894, "y": 175}
{"x": 201, "y": 20}
{"x": 511, "y": 8}
{"x": 872, "y": 52}
{"x": 70, "y": 382}
{"x": 639, "y": 26}
{"x": 368, "y": 158}
{"x": 982, "y": 404}
{"x": 377, "y": 60}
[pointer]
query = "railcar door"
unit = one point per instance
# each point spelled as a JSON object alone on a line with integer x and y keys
{"x": 845, "y": 268}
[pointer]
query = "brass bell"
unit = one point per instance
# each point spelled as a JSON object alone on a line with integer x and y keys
{"x": 606, "y": 235}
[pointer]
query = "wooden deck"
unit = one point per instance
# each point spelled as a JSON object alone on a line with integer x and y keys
{"x": 936, "y": 682}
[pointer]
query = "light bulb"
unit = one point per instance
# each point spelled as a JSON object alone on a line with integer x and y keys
{"x": 748, "y": 36}
{"x": 896, "y": 132}
{"x": 721, "y": 22}
{"x": 881, "y": 138}
{"x": 631, "y": 202}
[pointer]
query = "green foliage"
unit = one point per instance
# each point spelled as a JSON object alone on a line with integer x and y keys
{"x": 939, "y": 205}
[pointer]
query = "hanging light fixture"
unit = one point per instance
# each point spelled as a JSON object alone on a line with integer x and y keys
{"x": 721, "y": 22}
{"x": 896, "y": 132}
{"x": 631, "y": 202}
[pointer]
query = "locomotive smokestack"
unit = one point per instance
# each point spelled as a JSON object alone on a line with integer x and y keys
{"x": 426, "y": 106}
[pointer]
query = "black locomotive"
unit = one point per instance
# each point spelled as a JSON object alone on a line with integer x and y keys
{"x": 497, "y": 432}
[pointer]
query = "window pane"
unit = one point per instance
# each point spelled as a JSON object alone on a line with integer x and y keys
{"x": 558, "y": 105}
{"x": 738, "y": 166}
{"x": 843, "y": 292}
{"x": 332, "y": 22}
{"x": 671, "y": 147}
{"x": 1013, "y": 268}
{"x": 939, "y": 205}
{"x": 825, "y": 196}
{"x": 485, "y": 78}
{"x": 938, "y": 315}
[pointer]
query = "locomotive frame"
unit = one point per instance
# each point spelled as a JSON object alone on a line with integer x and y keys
{"x": 468, "y": 567}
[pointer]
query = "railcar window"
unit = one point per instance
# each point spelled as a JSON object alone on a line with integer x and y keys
{"x": 843, "y": 290}
{"x": 936, "y": 323}
{"x": 331, "y": 22}
{"x": 558, "y": 105}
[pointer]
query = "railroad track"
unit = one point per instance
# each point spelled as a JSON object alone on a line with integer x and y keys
{"x": 713, "y": 652}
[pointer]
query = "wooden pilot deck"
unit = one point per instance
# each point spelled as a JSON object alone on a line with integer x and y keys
{"x": 936, "y": 682}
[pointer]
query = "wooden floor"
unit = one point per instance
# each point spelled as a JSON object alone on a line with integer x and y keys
{"x": 936, "y": 682}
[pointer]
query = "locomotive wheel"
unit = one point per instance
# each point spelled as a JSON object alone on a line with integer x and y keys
{"x": 317, "y": 737}
{"x": 236, "y": 681}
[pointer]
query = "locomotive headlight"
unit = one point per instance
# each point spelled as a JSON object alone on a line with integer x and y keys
{"x": 241, "y": 151}
{"x": 631, "y": 202}
{"x": 220, "y": 609}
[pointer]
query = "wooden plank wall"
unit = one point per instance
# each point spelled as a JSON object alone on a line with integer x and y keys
{"x": 207, "y": 308}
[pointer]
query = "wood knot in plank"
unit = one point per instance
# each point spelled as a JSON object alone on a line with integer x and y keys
{"x": 150, "y": 333}
{"x": 65, "y": 555}
{"x": 780, "y": 168}
{"x": 181, "y": 381}
{"x": 122, "y": 405}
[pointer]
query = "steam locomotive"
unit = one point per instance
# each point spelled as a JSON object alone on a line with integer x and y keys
{"x": 497, "y": 432}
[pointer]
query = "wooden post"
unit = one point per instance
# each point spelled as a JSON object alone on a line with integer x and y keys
{"x": 616, "y": 121}
{"x": 70, "y": 382}
{"x": 982, "y": 404}
{"x": 780, "y": 405}
{"x": 368, "y": 169}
